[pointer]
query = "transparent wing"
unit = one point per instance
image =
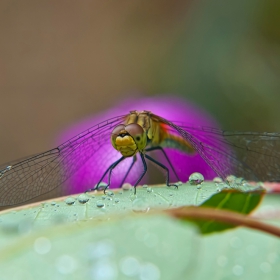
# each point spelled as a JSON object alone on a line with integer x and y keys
{"x": 251, "y": 155}
{"x": 43, "y": 173}
{"x": 254, "y": 156}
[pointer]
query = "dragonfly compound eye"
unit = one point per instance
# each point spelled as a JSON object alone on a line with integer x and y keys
{"x": 138, "y": 134}
{"x": 115, "y": 133}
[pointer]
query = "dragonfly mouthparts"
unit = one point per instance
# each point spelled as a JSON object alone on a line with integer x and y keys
{"x": 123, "y": 134}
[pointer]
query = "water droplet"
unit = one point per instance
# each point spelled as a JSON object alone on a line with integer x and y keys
{"x": 53, "y": 203}
{"x": 218, "y": 189}
{"x": 179, "y": 183}
{"x": 83, "y": 198}
{"x": 224, "y": 186}
{"x": 110, "y": 193}
{"x": 140, "y": 205}
{"x": 100, "y": 203}
{"x": 265, "y": 267}
{"x": 238, "y": 270}
{"x": 66, "y": 264}
{"x": 240, "y": 181}
{"x": 42, "y": 245}
{"x": 101, "y": 186}
{"x": 70, "y": 200}
{"x": 103, "y": 197}
{"x": 133, "y": 197}
{"x": 117, "y": 200}
{"x": 170, "y": 194}
{"x": 145, "y": 186}
{"x": 231, "y": 179}
{"x": 149, "y": 189}
{"x": 196, "y": 178}
{"x": 126, "y": 186}
{"x": 217, "y": 180}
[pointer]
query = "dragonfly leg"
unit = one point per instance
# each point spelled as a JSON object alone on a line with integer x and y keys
{"x": 129, "y": 169}
{"x": 164, "y": 167}
{"x": 109, "y": 169}
{"x": 144, "y": 172}
{"x": 167, "y": 158}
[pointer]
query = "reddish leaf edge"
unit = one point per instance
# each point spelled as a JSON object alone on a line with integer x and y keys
{"x": 192, "y": 213}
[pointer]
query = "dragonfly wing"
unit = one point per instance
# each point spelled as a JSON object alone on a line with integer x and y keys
{"x": 33, "y": 177}
{"x": 257, "y": 153}
{"x": 252, "y": 155}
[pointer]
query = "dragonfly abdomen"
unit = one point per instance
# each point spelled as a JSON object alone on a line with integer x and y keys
{"x": 177, "y": 142}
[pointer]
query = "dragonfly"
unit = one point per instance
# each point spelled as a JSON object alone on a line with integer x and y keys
{"x": 251, "y": 155}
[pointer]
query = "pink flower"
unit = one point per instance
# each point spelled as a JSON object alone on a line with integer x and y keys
{"x": 88, "y": 174}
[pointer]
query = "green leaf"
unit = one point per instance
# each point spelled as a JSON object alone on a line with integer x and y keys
{"x": 233, "y": 200}
{"x": 122, "y": 248}
{"x": 154, "y": 244}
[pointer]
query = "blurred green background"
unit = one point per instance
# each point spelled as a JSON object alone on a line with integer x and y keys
{"x": 61, "y": 61}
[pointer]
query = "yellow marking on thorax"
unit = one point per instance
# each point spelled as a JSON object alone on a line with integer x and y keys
{"x": 150, "y": 127}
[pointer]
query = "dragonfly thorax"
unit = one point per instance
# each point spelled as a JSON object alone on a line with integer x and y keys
{"x": 129, "y": 139}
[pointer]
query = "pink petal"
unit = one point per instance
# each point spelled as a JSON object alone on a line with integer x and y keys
{"x": 168, "y": 107}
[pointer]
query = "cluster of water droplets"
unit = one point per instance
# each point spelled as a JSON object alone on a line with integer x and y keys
{"x": 231, "y": 182}
{"x": 139, "y": 204}
{"x": 240, "y": 184}
{"x": 94, "y": 206}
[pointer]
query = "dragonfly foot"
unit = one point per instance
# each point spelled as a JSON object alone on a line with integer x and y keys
{"x": 173, "y": 185}
{"x": 99, "y": 187}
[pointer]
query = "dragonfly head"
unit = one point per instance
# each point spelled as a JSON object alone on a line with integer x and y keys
{"x": 129, "y": 139}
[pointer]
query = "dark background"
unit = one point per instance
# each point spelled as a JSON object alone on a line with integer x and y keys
{"x": 61, "y": 61}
